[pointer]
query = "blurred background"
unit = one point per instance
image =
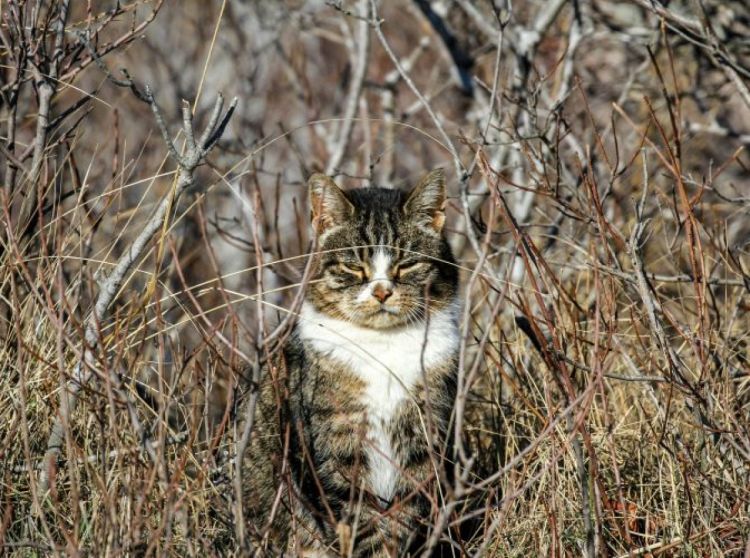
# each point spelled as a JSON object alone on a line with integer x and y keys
{"x": 599, "y": 195}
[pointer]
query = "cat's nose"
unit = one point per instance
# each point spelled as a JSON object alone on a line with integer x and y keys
{"x": 382, "y": 292}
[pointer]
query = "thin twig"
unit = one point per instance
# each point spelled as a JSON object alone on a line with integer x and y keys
{"x": 360, "y": 64}
{"x": 110, "y": 287}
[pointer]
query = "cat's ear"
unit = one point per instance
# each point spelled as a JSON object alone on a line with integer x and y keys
{"x": 329, "y": 205}
{"x": 426, "y": 202}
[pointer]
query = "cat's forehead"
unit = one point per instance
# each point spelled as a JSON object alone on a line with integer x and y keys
{"x": 375, "y": 198}
{"x": 378, "y": 223}
{"x": 375, "y": 232}
{"x": 376, "y": 219}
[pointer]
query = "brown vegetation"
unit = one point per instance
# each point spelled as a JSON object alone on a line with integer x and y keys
{"x": 598, "y": 211}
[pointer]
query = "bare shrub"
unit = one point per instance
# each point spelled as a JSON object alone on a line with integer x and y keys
{"x": 599, "y": 214}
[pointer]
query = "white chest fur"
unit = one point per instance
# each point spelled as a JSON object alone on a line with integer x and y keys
{"x": 390, "y": 363}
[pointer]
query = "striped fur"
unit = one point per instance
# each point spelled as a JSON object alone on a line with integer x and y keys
{"x": 352, "y": 423}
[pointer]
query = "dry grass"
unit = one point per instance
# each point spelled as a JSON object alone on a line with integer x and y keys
{"x": 599, "y": 212}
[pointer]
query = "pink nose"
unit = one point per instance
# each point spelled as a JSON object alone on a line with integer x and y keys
{"x": 381, "y": 293}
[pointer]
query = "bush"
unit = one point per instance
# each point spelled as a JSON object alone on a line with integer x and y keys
{"x": 598, "y": 212}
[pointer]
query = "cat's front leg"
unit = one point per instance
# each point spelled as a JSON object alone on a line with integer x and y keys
{"x": 306, "y": 539}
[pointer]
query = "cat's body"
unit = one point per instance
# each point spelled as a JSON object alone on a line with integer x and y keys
{"x": 353, "y": 420}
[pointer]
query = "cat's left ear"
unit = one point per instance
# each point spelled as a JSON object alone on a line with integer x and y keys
{"x": 426, "y": 202}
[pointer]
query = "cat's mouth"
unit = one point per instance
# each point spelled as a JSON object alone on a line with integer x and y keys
{"x": 387, "y": 310}
{"x": 382, "y": 311}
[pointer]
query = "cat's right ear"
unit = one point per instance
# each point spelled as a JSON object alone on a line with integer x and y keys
{"x": 426, "y": 202}
{"x": 329, "y": 205}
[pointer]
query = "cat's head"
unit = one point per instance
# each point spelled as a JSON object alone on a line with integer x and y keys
{"x": 383, "y": 257}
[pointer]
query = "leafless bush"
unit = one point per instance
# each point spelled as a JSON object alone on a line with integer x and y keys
{"x": 598, "y": 211}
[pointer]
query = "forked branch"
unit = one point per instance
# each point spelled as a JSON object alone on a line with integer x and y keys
{"x": 194, "y": 154}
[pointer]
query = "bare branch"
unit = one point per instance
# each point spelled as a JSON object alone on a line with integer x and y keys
{"x": 361, "y": 60}
{"x": 110, "y": 287}
{"x": 448, "y": 143}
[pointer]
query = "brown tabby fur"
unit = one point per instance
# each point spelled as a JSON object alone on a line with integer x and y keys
{"x": 308, "y": 461}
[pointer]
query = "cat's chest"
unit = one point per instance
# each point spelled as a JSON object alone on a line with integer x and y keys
{"x": 389, "y": 362}
{"x": 391, "y": 365}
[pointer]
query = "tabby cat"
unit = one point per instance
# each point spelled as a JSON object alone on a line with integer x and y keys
{"x": 351, "y": 430}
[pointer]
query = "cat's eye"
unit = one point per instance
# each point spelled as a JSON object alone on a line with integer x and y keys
{"x": 402, "y": 270}
{"x": 353, "y": 269}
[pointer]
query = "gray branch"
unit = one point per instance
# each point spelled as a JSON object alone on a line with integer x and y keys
{"x": 109, "y": 287}
{"x": 355, "y": 87}
{"x": 47, "y": 87}
{"x": 448, "y": 143}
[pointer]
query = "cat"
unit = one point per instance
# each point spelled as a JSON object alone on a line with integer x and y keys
{"x": 352, "y": 425}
